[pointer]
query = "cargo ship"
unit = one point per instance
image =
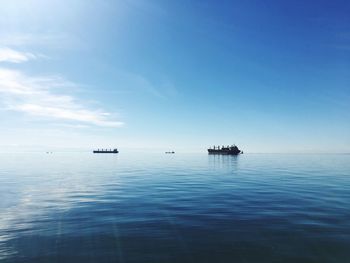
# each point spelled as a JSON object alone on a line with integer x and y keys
{"x": 231, "y": 150}
{"x": 106, "y": 151}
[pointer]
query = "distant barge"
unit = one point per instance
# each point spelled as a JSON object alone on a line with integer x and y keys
{"x": 106, "y": 151}
{"x": 231, "y": 150}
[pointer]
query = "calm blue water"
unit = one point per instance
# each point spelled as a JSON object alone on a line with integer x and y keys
{"x": 80, "y": 207}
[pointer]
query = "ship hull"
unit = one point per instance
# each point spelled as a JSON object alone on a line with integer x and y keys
{"x": 227, "y": 152}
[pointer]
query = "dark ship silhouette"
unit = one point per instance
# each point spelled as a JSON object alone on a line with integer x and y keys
{"x": 106, "y": 151}
{"x": 232, "y": 150}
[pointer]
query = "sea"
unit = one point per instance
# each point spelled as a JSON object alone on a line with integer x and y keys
{"x": 156, "y": 207}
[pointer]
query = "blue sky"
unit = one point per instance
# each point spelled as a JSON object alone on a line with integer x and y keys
{"x": 270, "y": 76}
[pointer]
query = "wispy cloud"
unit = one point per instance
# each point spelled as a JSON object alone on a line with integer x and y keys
{"x": 42, "y": 96}
{"x": 139, "y": 85}
{"x": 342, "y": 47}
{"x": 147, "y": 6}
{"x": 11, "y": 55}
{"x": 67, "y": 113}
{"x": 342, "y": 40}
{"x": 52, "y": 40}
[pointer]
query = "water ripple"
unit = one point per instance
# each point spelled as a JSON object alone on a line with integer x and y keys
{"x": 178, "y": 208}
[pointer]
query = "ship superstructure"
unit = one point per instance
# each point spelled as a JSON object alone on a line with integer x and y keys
{"x": 106, "y": 151}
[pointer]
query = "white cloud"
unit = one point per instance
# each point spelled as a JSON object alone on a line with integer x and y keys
{"x": 83, "y": 115}
{"x": 10, "y": 55}
{"x": 37, "y": 96}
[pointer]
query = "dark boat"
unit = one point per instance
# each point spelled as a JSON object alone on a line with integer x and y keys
{"x": 231, "y": 150}
{"x": 106, "y": 151}
{"x": 170, "y": 152}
